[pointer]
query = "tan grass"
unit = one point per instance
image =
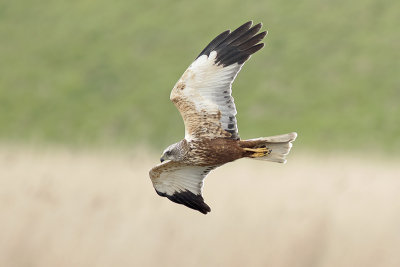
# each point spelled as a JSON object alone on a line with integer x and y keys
{"x": 66, "y": 208}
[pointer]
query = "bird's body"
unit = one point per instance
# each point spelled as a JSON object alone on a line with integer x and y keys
{"x": 215, "y": 151}
{"x": 204, "y": 99}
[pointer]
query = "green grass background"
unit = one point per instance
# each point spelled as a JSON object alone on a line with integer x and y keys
{"x": 99, "y": 73}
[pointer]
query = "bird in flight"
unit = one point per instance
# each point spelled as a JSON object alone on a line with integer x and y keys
{"x": 203, "y": 96}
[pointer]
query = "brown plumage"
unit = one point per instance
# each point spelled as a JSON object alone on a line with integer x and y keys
{"x": 203, "y": 96}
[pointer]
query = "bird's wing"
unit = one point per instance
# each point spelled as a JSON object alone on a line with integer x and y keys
{"x": 181, "y": 183}
{"x": 203, "y": 94}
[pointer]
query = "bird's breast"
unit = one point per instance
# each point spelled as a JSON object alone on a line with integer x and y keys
{"x": 216, "y": 151}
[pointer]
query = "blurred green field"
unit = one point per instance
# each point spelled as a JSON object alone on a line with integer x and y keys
{"x": 99, "y": 73}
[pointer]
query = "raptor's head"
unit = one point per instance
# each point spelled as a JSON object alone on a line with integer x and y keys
{"x": 172, "y": 152}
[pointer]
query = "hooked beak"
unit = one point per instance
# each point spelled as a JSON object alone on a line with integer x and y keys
{"x": 162, "y": 159}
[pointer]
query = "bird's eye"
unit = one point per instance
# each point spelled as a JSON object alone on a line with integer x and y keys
{"x": 168, "y": 153}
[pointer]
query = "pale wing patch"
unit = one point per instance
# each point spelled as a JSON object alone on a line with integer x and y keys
{"x": 181, "y": 183}
{"x": 203, "y": 95}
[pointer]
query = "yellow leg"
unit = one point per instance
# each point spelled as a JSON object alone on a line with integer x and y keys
{"x": 259, "y": 152}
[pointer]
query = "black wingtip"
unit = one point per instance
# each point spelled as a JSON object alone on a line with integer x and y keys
{"x": 188, "y": 199}
{"x": 236, "y": 46}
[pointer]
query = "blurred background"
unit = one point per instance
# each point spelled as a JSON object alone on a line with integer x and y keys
{"x": 85, "y": 113}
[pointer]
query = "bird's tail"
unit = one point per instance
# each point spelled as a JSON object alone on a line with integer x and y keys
{"x": 273, "y": 148}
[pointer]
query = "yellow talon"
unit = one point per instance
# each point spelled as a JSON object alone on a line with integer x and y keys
{"x": 259, "y": 152}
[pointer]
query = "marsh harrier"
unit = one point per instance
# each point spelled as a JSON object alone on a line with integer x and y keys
{"x": 203, "y": 96}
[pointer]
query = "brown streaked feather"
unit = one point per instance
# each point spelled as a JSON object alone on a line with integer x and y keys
{"x": 201, "y": 123}
{"x": 216, "y": 151}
